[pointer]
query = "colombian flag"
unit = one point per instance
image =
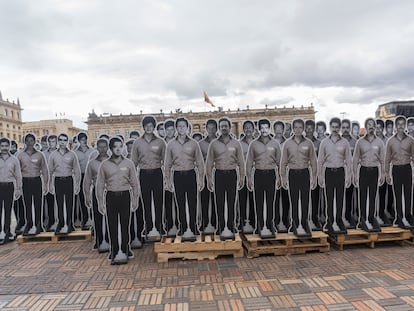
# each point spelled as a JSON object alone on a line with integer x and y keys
{"x": 207, "y": 100}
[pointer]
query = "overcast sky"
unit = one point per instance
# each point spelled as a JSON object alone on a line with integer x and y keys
{"x": 126, "y": 56}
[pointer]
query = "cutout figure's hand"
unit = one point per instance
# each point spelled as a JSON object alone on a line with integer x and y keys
{"x": 314, "y": 183}
{"x": 76, "y": 189}
{"x": 134, "y": 204}
{"x": 250, "y": 185}
{"x": 321, "y": 181}
{"x": 355, "y": 181}
{"x": 278, "y": 184}
{"x": 102, "y": 209}
{"x": 285, "y": 183}
{"x": 200, "y": 185}
{"x": 381, "y": 179}
{"x": 45, "y": 189}
{"x": 348, "y": 181}
{"x": 17, "y": 194}
{"x": 210, "y": 185}
{"x": 52, "y": 189}
{"x": 389, "y": 179}
{"x": 241, "y": 184}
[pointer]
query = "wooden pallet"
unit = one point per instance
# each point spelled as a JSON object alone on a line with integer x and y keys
{"x": 51, "y": 237}
{"x": 285, "y": 244}
{"x": 205, "y": 247}
{"x": 356, "y": 236}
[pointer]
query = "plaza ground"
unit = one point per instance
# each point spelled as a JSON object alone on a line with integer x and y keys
{"x": 71, "y": 276}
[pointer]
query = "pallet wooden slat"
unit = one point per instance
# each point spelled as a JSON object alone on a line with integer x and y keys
{"x": 284, "y": 244}
{"x": 356, "y": 236}
{"x": 205, "y": 247}
{"x": 51, "y": 237}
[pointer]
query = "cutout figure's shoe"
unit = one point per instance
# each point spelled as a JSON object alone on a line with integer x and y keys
{"x": 154, "y": 235}
{"x": 188, "y": 236}
{"x": 209, "y": 229}
{"x": 265, "y": 233}
{"x": 104, "y": 247}
{"x": 120, "y": 259}
{"x": 281, "y": 228}
{"x": 172, "y": 232}
{"x": 136, "y": 244}
{"x": 226, "y": 234}
{"x": 247, "y": 228}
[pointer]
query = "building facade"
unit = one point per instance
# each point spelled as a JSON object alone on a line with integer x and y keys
{"x": 124, "y": 124}
{"x": 54, "y": 126}
{"x": 10, "y": 119}
{"x": 392, "y": 109}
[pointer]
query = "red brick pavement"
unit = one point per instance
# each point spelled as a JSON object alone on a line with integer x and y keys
{"x": 71, "y": 276}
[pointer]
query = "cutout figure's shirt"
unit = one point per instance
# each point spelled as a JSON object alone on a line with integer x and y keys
{"x": 33, "y": 165}
{"x": 369, "y": 153}
{"x": 116, "y": 177}
{"x": 183, "y": 157}
{"x": 91, "y": 173}
{"x": 148, "y": 155}
{"x": 399, "y": 152}
{"x": 262, "y": 156}
{"x": 204, "y": 144}
{"x": 83, "y": 157}
{"x": 245, "y": 147}
{"x": 224, "y": 156}
{"x": 10, "y": 171}
{"x": 352, "y": 142}
{"x": 47, "y": 154}
{"x": 334, "y": 154}
{"x": 64, "y": 165}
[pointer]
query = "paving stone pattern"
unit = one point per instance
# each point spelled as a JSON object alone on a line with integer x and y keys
{"x": 71, "y": 276}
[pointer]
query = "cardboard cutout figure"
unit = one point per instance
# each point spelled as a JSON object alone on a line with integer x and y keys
{"x": 225, "y": 173}
{"x": 170, "y": 209}
{"x": 247, "y": 214}
{"x": 335, "y": 174}
{"x": 262, "y": 166}
{"x": 321, "y": 134}
{"x": 10, "y": 188}
{"x": 64, "y": 183}
{"x": 89, "y": 182}
{"x": 355, "y": 129}
{"x": 350, "y": 212}
{"x": 148, "y": 153}
{"x": 314, "y": 220}
{"x": 184, "y": 174}
{"x": 49, "y": 204}
{"x": 368, "y": 168}
{"x": 35, "y": 184}
{"x": 137, "y": 216}
{"x": 83, "y": 152}
{"x": 117, "y": 192}
{"x": 208, "y": 205}
{"x": 298, "y": 158}
{"x": 282, "y": 203}
{"x": 385, "y": 210}
{"x": 399, "y": 159}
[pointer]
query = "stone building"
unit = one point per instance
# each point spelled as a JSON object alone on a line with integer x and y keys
{"x": 10, "y": 119}
{"x": 392, "y": 109}
{"x": 124, "y": 124}
{"x": 54, "y": 126}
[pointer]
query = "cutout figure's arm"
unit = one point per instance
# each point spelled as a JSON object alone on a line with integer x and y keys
{"x": 100, "y": 190}
{"x": 200, "y": 166}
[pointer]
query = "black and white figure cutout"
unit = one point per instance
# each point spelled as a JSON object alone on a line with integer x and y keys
{"x": 262, "y": 171}
{"x": 10, "y": 188}
{"x": 117, "y": 193}
{"x": 335, "y": 174}
{"x": 246, "y": 212}
{"x": 350, "y": 213}
{"x": 89, "y": 182}
{"x": 385, "y": 210}
{"x": 35, "y": 184}
{"x": 64, "y": 183}
{"x": 49, "y": 204}
{"x": 148, "y": 153}
{"x": 208, "y": 221}
{"x": 314, "y": 220}
{"x": 321, "y": 134}
{"x": 184, "y": 176}
{"x": 282, "y": 203}
{"x": 225, "y": 171}
{"x": 83, "y": 152}
{"x": 399, "y": 159}
{"x": 170, "y": 208}
{"x": 298, "y": 175}
{"x": 368, "y": 169}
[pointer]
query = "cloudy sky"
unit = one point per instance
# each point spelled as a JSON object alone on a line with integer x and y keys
{"x": 69, "y": 57}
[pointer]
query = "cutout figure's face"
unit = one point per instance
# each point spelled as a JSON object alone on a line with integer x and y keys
{"x": 335, "y": 128}
{"x": 13, "y": 148}
{"x": 278, "y": 128}
{"x": 321, "y": 130}
{"x": 264, "y": 130}
{"x": 129, "y": 148}
{"x": 52, "y": 143}
{"x": 102, "y": 148}
{"x": 400, "y": 125}
{"x": 346, "y": 128}
{"x": 355, "y": 130}
{"x": 410, "y": 127}
{"x": 182, "y": 128}
{"x": 161, "y": 131}
{"x": 309, "y": 130}
{"x": 170, "y": 131}
{"x": 298, "y": 128}
{"x": 44, "y": 145}
{"x": 224, "y": 128}
{"x": 149, "y": 128}
{"x": 211, "y": 129}
{"x": 379, "y": 130}
{"x": 83, "y": 142}
{"x": 248, "y": 129}
{"x": 117, "y": 148}
{"x": 370, "y": 127}
{"x": 29, "y": 141}
{"x": 390, "y": 129}
{"x": 63, "y": 141}
{"x": 134, "y": 136}
{"x": 4, "y": 147}
{"x": 288, "y": 130}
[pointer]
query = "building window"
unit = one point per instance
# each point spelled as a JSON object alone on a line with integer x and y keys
{"x": 18, "y": 115}
{"x": 12, "y": 114}
{"x": 14, "y": 136}
{"x": 14, "y": 126}
{"x": 7, "y": 125}
{"x": 1, "y": 134}
{"x": 5, "y": 112}
{"x": 96, "y": 134}
{"x": 116, "y": 132}
{"x": 126, "y": 134}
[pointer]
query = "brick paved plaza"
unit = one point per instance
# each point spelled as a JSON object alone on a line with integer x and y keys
{"x": 70, "y": 276}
